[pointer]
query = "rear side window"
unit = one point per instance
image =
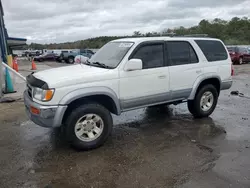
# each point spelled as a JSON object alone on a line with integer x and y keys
{"x": 213, "y": 50}
{"x": 151, "y": 56}
{"x": 181, "y": 53}
{"x": 243, "y": 50}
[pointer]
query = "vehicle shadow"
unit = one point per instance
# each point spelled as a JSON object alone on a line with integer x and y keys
{"x": 165, "y": 120}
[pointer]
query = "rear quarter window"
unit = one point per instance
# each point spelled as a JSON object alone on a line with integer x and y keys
{"x": 213, "y": 50}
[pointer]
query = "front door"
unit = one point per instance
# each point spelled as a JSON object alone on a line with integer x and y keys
{"x": 149, "y": 85}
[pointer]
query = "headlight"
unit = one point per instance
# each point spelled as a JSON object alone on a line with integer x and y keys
{"x": 43, "y": 95}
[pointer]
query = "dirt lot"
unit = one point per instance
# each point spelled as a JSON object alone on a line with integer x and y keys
{"x": 148, "y": 148}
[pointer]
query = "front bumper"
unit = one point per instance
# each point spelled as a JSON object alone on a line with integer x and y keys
{"x": 49, "y": 116}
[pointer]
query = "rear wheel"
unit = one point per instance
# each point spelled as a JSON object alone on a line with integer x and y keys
{"x": 205, "y": 102}
{"x": 241, "y": 61}
{"x": 88, "y": 126}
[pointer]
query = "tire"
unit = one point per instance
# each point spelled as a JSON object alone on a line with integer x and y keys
{"x": 211, "y": 98}
{"x": 190, "y": 105}
{"x": 83, "y": 141}
{"x": 240, "y": 61}
{"x": 71, "y": 60}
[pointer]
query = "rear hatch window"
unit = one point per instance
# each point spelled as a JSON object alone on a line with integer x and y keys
{"x": 213, "y": 50}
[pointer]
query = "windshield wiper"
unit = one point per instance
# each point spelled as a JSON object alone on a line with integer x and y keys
{"x": 101, "y": 65}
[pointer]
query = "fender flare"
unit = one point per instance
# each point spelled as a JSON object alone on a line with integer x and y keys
{"x": 90, "y": 91}
{"x": 199, "y": 80}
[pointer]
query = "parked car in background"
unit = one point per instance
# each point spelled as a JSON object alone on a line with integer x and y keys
{"x": 69, "y": 57}
{"x": 31, "y": 53}
{"x": 61, "y": 55}
{"x": 239, "y": 55}
{"x": 46, "y": 57}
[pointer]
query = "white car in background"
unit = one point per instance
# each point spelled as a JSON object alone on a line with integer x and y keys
{"x": 80, "y": 59}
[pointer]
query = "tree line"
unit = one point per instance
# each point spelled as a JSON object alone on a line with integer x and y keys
{"x": 233, "y": 32}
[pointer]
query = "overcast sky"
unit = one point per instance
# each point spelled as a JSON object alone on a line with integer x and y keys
{"x": 48, "y": 21}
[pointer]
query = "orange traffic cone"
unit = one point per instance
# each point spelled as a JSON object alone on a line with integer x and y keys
{"x": 33, "y": 65}
{"x": 15, "y": 65}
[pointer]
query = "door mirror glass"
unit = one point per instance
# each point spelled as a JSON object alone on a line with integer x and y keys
{"x": 133, "y": 64}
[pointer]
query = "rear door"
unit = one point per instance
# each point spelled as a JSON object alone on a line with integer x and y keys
{"x": 184, "y": 68}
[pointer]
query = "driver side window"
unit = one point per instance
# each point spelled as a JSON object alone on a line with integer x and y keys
{"x": 151, "y": 56}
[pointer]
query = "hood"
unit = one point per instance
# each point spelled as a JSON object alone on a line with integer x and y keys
{"x": 74, "y": 74}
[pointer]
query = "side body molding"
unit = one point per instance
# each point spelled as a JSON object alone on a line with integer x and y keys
{"x": 201, "y": 79}
{"x": 90, "y": 91}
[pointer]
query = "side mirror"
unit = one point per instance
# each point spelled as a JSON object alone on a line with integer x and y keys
{"x": 133, "y": 64}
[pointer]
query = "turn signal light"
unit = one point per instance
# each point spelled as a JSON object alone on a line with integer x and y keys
{"x": 34, "y": 110}
{"x": 48, "y": 95}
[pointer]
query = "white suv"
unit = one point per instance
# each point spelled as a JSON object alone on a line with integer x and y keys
{"x": 127, "y": 74}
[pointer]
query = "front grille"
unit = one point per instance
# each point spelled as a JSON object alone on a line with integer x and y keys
{"x": 29, "y": 91}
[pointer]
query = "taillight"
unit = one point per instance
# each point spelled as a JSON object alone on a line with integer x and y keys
{"x": 232, "y": 70}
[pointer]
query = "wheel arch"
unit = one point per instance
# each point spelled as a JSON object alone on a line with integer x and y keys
{"x": 201, "y": 81}
{"x": 102, "y": 95}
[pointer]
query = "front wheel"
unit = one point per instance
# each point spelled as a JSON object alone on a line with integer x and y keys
{"x": 88, "y": 126}
{"x": 71, "y": 60}
{"x": 205, "y": 102}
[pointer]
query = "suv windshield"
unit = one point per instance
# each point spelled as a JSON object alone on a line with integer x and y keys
{"x": 111, "y": 54}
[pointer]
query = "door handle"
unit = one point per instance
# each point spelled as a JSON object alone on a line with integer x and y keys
{"x": 162, "y": 76}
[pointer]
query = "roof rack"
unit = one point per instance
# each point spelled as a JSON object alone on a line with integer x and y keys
{"x": 192, "y": 35}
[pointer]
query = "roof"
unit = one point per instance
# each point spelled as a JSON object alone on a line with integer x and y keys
{"x": 142, "y": 39}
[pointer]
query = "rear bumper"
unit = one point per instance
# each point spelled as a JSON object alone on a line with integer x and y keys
{"x": 226, "y": 84}
{"x": 49, "y": 116}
